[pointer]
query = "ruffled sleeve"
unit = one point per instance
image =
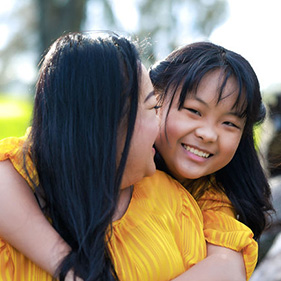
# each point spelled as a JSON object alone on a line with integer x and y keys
{"x": 14, "y": 266}
{"x": 13, "y": 148}
{"x": 223, "y": 229}
{"x": 6, "y": 263}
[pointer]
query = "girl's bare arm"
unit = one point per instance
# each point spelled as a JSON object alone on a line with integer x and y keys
{"x": 22, "y": 223}
{"x": 221, "y": 264}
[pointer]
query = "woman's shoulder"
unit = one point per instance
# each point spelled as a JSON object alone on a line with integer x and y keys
{"x": 13, "y": 150}
{"x": 11, "y": 146}
{"x": 162, "y": 187}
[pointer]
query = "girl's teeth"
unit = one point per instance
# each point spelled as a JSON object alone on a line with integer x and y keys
{"x": 196, "y": 151}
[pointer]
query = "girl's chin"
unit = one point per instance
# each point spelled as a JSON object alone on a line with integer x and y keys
{"x": 185, "y": 176}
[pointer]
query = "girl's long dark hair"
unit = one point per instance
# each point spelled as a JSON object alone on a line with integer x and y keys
{"x": 87, "y": 88}
{"x": 243, "y": 180}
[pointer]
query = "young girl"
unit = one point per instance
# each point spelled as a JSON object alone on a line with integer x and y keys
{"x": 212, "y": 102}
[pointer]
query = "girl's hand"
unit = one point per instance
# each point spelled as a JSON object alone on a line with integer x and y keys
{"x": 23, "y": 225}
{"x": 221, "y": 264}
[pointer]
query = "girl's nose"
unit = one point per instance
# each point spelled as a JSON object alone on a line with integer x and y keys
{"x": 206, "y": 133}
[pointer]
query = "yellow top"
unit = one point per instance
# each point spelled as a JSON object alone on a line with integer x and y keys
{"x": 162, "y": 229}
{"x": 161, "y": 234}
{"x": 159, "y": 237}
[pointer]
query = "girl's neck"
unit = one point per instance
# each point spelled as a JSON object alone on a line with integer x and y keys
{"x": 198, "y": 186}
{"x": 186, "y": 182}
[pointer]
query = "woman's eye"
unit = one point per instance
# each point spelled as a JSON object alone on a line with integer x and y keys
{"x": 156, "y": 107}
{"x": 194, "y": 111}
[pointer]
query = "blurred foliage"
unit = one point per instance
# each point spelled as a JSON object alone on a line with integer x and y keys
{"x": 169, "y": 23}
{"x": 165, "y": 23}
{"x": 161, "y": 27}
{"x": 15, "y": 116}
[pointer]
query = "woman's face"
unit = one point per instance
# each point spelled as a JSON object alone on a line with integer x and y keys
{"x": 140, "y": 162}
{"x": 202, "y": 137}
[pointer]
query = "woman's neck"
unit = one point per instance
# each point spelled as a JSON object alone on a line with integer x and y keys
{"x": 123, "y": 202}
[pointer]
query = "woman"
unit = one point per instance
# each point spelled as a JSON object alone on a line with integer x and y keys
{"x": 91, "y": 140}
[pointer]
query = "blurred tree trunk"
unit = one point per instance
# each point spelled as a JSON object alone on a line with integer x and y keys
{"x": 56, "y": 17}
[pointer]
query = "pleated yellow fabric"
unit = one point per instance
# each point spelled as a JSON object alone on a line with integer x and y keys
{"x": 14, "y": 266}
{"x": 160, "y": 235}
{"x": 223, "y": 229}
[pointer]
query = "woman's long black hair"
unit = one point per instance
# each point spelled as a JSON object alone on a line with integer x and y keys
{"x": 243, "y": 180}
{"x": 87, "y": 88}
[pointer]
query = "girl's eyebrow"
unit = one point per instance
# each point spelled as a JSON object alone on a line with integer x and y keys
{"x": 149, "y": 96}
{"x": 234, "y": 113}
{"x": 200, "y": 100}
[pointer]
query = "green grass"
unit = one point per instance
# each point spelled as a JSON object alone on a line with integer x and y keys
{"x": 15, "y": 116}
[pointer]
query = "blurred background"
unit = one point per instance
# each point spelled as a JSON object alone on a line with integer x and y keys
{"x": 248, "y": 27}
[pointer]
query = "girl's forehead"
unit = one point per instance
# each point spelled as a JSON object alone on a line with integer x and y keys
{"x": 212, "y": 86}
{"x": 217, "y": 81}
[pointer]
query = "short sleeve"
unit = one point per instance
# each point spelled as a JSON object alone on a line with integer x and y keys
{"x": 13, "y": 148}
{"x": 221, "y": 228}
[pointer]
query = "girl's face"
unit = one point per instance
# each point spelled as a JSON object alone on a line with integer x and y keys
{"x": 140, "y": 162}
{"x": 203, "y": 136}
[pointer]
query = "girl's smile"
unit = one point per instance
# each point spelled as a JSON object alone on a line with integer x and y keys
{"x": 196, "y": 151}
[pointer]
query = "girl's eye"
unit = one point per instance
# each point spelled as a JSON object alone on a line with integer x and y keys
{"x": 194, "y": 111}
{"x": 230, "y": 124}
